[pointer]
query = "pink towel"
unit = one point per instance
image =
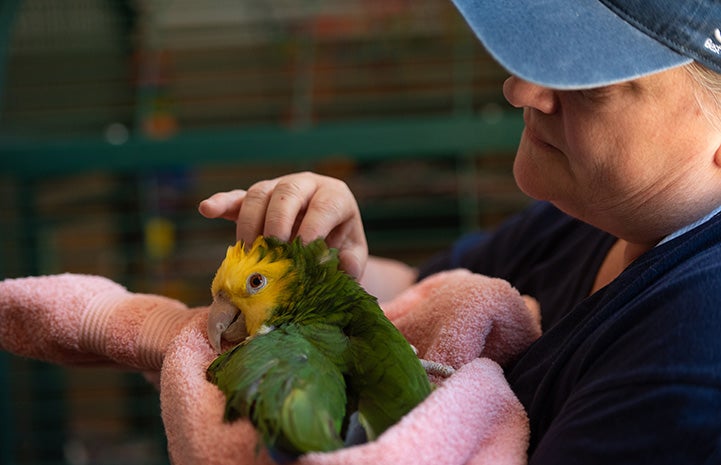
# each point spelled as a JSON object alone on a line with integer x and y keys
{"x": 468, "y": 321}
{"x": 81, "y": 319}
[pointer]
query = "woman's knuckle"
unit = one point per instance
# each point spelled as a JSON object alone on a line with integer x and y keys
{"x": 258, "y": 193}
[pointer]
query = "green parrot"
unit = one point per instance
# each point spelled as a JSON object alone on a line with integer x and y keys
{"x": 314, "y": 348}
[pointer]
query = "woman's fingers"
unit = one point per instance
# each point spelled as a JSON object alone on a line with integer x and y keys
{"x": 300, "y": 204}
{"x": 288, "y": 205}
{"x": 224, "y": 205}
{"x": 334, "y": 215}
{"x": 331, "y": 206}
{"x": 250, "y": 221}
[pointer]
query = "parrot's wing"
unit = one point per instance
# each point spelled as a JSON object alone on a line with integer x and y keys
{"x": 388, "y": 377}
{"x": 293, "y": 392}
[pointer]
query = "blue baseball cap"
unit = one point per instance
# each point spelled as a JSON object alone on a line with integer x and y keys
{"x": 576, "y": 44}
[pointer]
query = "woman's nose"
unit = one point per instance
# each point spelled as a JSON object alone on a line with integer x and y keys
{"x": 522, "y": 94}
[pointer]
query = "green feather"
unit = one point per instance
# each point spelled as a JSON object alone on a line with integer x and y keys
{"x": 387, "y": 375}
{"x": 293, "y": 392}
{"x": 331, "y": 352}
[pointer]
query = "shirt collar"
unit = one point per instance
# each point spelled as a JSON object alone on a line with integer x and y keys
{"x": 689, "y": 227}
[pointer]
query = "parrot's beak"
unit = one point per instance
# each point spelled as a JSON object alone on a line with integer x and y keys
{"x": 225, "y": 321}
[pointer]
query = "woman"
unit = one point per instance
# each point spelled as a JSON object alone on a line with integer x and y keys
{"x": 622, "y": 146}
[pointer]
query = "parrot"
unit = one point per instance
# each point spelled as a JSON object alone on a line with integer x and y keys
{"x": 312, "y": 348}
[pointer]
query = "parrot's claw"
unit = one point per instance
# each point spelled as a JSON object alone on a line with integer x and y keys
{"x": 434, "y": 368}
{"x": 437, "y": 369}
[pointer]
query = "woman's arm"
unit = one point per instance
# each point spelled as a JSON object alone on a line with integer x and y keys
{"x": 386, "y": 278}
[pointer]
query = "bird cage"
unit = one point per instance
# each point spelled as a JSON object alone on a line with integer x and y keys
{"x": 118, "y": 117}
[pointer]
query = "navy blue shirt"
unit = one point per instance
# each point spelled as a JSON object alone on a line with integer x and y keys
{"x": 630, "y": 374}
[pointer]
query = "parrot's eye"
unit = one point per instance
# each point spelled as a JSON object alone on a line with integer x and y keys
{"x": 255, "y": 283}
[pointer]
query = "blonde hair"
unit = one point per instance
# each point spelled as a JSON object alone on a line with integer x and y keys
{"x": 709, "y": 82}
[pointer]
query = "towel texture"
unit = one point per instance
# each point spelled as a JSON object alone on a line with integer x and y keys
{"x": 81, "y": 319}
{"x": 471, "y": 322}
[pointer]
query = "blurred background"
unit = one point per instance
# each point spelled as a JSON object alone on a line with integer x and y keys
{"x": 118, "y": 117}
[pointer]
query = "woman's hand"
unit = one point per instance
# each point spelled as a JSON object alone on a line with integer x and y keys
{"x": 301, "y": 204}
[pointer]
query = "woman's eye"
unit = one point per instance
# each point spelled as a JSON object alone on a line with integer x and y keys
{"x": 255, "y": 282}
{"x": 594, "y": 95}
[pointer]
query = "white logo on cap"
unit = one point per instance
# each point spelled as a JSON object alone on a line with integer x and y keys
{"x": 714, "y": 46}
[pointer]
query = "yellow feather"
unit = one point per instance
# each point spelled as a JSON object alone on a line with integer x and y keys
{"x": 232, "y": 280}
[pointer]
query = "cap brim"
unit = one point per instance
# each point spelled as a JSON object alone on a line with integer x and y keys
{"x": 565, "y": 44}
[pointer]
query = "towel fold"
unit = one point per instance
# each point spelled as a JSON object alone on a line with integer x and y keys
{"x": 471, "y": 322}
{"x": 471, "y": 418}
{"x": 82, "y": 319}
{"x": 455, "y": 316}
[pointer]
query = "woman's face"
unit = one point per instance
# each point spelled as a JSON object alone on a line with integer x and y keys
{"x": 618, "y": 156}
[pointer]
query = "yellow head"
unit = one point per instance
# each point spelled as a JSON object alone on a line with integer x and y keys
{"x": 255, "y": 281}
